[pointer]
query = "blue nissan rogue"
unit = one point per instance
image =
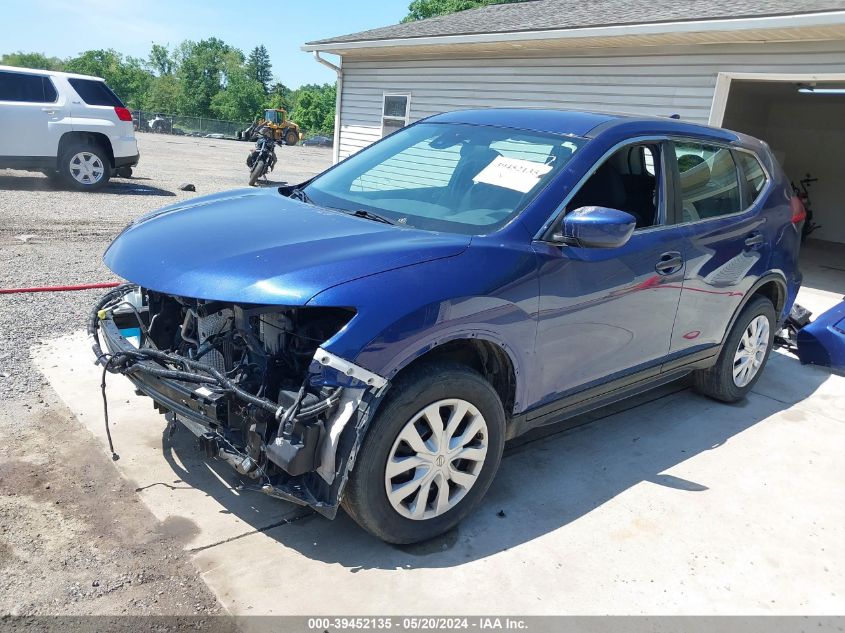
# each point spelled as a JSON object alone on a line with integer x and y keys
{"x": 371, "y": 337}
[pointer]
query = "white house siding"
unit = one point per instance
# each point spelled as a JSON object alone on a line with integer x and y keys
{"x": 648, "y": 80}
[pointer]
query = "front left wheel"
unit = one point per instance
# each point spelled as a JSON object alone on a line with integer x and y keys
{"x": 429, "y": 456}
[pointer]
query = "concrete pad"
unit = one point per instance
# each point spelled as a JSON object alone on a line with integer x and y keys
{"x": 788, "y": 381}
{"x": 681, "y": 505}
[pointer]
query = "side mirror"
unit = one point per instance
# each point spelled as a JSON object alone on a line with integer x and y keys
{"x": 596, "y": 227}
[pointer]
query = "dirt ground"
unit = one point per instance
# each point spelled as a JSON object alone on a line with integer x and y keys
{"x": 74, "y": 538}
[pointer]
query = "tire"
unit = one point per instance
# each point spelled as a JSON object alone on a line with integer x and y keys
{"x": 719, "y": 381}
{"x": 124, "y": 172}
{"x": 455, "y": 388}
{"x": 291, "y": 137}
{"x": 256, "y": 173}
{"x": 85, "y": 167}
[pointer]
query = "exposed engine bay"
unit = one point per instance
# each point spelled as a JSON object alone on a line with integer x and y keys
{"x": 251, "y": 382}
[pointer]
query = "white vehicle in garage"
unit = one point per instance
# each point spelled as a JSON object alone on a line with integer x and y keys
{"x": 68, "y": 126}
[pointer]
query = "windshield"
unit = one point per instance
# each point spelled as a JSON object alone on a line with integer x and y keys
{"x": 446, "y": 177}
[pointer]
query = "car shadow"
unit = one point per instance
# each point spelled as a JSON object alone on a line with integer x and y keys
{"x": 118, "y": 186}
{"x": 548, "y": 478}
{"x": 271, "y": 183}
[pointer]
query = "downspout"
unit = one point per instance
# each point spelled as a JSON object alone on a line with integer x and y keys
{"x": 338, "y": 100}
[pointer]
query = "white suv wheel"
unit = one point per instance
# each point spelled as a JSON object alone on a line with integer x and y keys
{"x": 86, "y": 168}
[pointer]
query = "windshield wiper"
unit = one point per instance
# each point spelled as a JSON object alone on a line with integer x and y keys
{"x": 298, "y": 194}
{"x": 369, "y": 215}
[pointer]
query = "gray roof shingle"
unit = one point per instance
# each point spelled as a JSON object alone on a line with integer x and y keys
{"x": 539, "y": 15}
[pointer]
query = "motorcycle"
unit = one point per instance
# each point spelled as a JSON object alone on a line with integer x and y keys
{"x": 803, "y": 193}
{"x": 262, "y": 158}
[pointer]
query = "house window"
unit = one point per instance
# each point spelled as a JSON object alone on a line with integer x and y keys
{"x": 396, "y": 109}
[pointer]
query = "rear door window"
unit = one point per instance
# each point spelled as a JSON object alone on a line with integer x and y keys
{"x": 95, "y": 93}
{"x": 24, "y": 88}
{"x": 709, "y": 187}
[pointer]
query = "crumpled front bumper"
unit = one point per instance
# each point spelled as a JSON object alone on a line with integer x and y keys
{"x": 204, "y": 410}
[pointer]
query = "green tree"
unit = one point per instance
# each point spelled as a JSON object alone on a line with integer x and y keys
{"x": 422, "y": 9}
{"x": 31, "y": 60}
{"x": 163, "y": 95}
{"x": 314, "y": 108}
{"x": 259, "y": 68}
{"x": 201, "y": 72}
{"x": 160, "y": 60}
{"x": 205, "y": 78}
{"x": 243, "y": 96}
{"x": 279, "y": 97}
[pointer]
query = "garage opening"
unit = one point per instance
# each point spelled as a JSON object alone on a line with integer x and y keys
{"x": 803, "y": 121}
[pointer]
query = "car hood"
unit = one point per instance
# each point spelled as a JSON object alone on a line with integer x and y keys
{"x": 256, "y": 246}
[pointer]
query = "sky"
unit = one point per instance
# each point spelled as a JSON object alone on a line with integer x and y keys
{"x": 63, "y": 28}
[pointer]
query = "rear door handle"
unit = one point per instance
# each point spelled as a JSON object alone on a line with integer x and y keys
{"x": 755, "y": 239}
{"x": 669, "y": 263}
{"x": 49, "y": 110}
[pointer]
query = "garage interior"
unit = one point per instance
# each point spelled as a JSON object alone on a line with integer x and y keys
{"x": 804, "y": 124}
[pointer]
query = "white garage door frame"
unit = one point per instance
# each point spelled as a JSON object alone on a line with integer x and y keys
{"x": 723, "y": 87}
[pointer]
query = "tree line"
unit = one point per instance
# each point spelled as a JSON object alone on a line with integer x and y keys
{"x": 208, "y": 78}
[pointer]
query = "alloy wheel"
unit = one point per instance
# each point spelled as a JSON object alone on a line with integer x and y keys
{"x": 87, "y": 168}
{"x": 751, "y": 351}
{"x": 436, "y": 458}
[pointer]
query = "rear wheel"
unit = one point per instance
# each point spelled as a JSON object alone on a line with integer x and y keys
{"x": 743, "y": 355}
{"x": 429, "y": 456}
{"x": 291, "y": 137}
{"x": 85, "y": 167}
{"x": 256, "y": 172}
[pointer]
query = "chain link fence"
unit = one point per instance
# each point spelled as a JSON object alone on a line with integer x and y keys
{"x": 159, "y": 123}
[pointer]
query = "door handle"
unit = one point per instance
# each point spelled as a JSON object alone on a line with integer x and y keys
{"x": 669, "y": 263}
{"x": 755, "y": 239}
{"x": 49, "y": 110}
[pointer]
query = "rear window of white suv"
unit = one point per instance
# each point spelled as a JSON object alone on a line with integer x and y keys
{"x": 95, "y": 93}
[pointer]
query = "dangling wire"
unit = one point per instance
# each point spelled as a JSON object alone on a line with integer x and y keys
{"x": 114, "y": 456}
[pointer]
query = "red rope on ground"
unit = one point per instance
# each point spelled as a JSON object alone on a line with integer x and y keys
{"x": 12, "y": 291}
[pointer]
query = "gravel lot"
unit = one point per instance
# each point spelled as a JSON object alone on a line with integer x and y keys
{"x": 73, "y": 537}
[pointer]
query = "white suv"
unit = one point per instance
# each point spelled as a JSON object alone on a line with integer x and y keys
{"x": 68, "y": 126}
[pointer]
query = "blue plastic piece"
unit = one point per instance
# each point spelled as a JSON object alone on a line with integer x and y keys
{"x": 822, "y": 342}
{"x": 132, "y": 334}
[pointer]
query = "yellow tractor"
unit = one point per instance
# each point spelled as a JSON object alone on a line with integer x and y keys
{"x": 284, "y": 130}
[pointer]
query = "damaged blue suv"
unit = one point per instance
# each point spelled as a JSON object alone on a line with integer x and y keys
{"x": 371, "y": 338}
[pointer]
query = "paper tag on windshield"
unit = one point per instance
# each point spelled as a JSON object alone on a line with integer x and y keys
{"x": 513, "y": 173}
